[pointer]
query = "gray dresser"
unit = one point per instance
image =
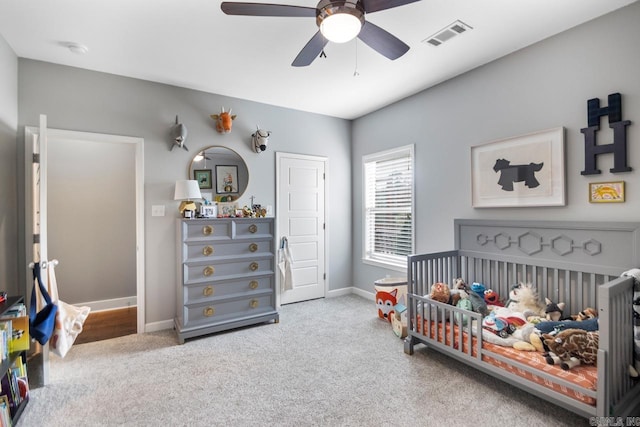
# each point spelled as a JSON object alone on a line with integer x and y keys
{"x": 226, "y": 269}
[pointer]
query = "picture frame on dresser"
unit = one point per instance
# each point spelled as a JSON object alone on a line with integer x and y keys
{"x": 208, "y": 211}
{"x": 522, "y": 171}
{"x": 227, "y": 209}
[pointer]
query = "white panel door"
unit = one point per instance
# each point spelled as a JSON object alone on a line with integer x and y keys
{"x": 301, "y": 219}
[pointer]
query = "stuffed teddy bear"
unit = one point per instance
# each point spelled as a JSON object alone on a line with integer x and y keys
{"x": 440, "y": 292}
{"x": 571, "y": 348}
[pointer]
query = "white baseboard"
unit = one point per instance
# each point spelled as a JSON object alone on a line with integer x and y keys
{"x": 158, "y": 326}
{"x": 168, "y": 324}
{"x": 339, "y": 292}
{"x": 110, "y": 304}
{"x": 364, "y": 294}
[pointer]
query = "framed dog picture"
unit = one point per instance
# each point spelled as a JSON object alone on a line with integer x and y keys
{"x": 523, "y": 171}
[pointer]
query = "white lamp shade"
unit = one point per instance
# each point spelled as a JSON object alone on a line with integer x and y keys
{"x": 187, "y": 190}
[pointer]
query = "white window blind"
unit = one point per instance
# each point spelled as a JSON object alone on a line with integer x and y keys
{"x": 388, "y": 206}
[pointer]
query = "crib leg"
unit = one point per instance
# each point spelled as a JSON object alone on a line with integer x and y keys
{"x": 408, "y": 345}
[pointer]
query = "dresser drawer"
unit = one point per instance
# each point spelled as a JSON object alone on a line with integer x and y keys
{"x": 215, "y": 312}
{"x": 248, "y": 228}
{"x": 247, "y": 287}
{"x": 210, "y": 230}
{"x": 218, "y": 249}
{"x": 195, "y": 272}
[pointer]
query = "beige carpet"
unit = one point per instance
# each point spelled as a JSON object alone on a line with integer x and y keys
{"x": 329, "y": 362}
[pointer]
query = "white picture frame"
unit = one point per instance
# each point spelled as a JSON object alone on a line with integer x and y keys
{"x": 208, "y": 211}
{"x": 522, "y": 171}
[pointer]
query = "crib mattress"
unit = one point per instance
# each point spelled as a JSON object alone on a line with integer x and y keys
{"x": 585, "y": 376}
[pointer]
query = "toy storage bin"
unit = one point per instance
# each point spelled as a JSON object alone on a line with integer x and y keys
{"x": 389, "y": 292}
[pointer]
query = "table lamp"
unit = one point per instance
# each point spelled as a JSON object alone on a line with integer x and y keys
{"x": 185, "y": 191}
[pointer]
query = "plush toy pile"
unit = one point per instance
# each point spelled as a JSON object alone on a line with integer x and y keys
{"x": 525, "y": 323}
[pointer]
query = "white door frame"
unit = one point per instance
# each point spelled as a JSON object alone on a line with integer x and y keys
{"x": 32, "y": 131}
{"x": 325, "y": 160}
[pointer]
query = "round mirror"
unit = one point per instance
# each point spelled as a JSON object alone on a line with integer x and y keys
{"x": 221, "y": 173}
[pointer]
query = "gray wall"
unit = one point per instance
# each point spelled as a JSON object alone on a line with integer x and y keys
{"x": 544, "y": 86}
{"x": 541, "y": 87}
{"x": 8, "y": 182}
{"x": 75, "y": 99}
{"x": 91, "y": 207}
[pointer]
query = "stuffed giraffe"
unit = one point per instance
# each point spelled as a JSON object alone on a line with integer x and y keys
{"x": 570, "y": 348}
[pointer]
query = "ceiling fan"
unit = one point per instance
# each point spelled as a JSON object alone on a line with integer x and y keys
{"x": 339, "y": 21}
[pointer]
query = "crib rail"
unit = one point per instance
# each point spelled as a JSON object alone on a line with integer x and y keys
{"x": 610, "y": 295}
{"x": 616, "y": 331}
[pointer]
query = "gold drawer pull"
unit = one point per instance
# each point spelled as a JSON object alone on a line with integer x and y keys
{"x": 253, "y": 284}
{"x": 253, "y": 266}
{"x": 254, "y": 303}
{"x": 208, "y": 271}
{"x": 209, "y": 311}
{"x": 208, "y": 291}
{"x": 253, "y": 228}
{"x": 207, "y": 250}
{"x": 207, "y": 230}
{"x": 253, "y": 247}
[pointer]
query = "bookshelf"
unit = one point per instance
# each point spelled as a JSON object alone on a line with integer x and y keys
{"x": 17, "y": 357}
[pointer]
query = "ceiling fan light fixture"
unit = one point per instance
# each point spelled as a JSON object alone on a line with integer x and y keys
{"x": 340, "y": 23}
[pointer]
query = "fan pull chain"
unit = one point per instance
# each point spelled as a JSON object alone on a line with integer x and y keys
{"x": 355, "y": 71}
{"x": 322, "y": 54}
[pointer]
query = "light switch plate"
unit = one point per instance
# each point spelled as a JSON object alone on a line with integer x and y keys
{"x": 157, "y": 210}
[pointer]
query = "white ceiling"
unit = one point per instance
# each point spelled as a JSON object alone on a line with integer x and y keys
{"x": 192, "y": 44}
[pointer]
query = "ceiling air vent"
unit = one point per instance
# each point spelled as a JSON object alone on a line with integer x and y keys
{"x": 447, "y": 33}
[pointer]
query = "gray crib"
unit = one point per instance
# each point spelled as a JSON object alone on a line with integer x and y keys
{"x": 578, "y": 263}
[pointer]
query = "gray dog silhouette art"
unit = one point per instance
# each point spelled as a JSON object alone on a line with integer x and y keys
{"x": 516, "y": 173}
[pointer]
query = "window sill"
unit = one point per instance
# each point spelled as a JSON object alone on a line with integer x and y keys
{"x": 388, "y": 266}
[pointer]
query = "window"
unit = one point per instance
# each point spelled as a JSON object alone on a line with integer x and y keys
{"x": 388, "y": 207}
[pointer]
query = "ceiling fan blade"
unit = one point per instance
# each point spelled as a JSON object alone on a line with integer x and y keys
{"x": 265, "y": 9}
{"x": 382, "y": 41}
{"x": 376, "y": 5}
{"x": 310, "y": 51}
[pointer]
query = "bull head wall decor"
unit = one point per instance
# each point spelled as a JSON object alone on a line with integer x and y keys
{"x": 224, "y": 121}
{"x": 260, "y": 139}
